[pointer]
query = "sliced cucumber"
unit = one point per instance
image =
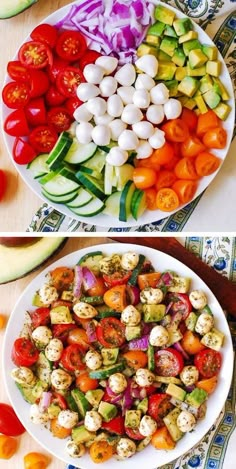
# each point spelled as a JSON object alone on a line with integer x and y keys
{"x": 112, "y": 205}
{"x": 59, "y": 151}
{"x": 59, "y": 185}
{"x": 92, "y": 260}
{"x": 97, "y": 162}
{"x": 78, "y": 153}
{"x": 108, "y": 177}
{"x": 125, "y": 201}
{"x": 138, "y": 203}
{"x": 90, "y": 209}
{"x": 83, "y": 198}
{"x": 107, "y": 371}
{"x": 60, "y": 199}
{"x": 92, "y": 184}
{"x": 39, "y": 166}
{"x": 92, "y": 172}
{"x": 107, "y": 148}
{"x": 123, "y": 174}
{"x": 68, "y": 173}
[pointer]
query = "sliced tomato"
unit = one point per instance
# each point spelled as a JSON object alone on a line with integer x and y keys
{"x": 45, "y": 33}
{"x": 180, "y": 304}
{"x": 89, "y": 58}
{"x": 98, "y": 289}
{"x": 117, "y": 278}
{"x": 57, "y": 65}
{"x": 190, "y": 118}
{"x": 43, "y": 139}
{"x": 35, "y": 112}
{"x": 40, "y": 317}
{"x": 134, "y": 433}
{"x": 61, "y": 331}
{"x": 17, "y": 71}
{"x": 54, "y": 97}
{"x": 16, "y": 94}
{"x": 148, "y": 280}
{"x": 35, "y": 54}
{"x": 24, "y": 353}
{"x": 111, "y": 332}
{"x": 68, "y": 81}
{"x": 23, "y": 152}
{"x": 72, "y": 104}
{"x": 39, "y": 83}
{"x": 72, "y": 358}
{"x": 158, "y": 407}
{"x": 115, "y": 425}
{"x": 16, "y": 124}
{"x": 208, "y": 362}
{"x": 58, "y": 399}
{"x": 168, "y": 362}
{"x": 10, "y": 425}
{"x": 59, "y": 119}
{"x": 71, "y": 45}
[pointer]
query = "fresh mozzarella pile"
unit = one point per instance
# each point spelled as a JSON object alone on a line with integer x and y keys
{"x": 123, "y": 106}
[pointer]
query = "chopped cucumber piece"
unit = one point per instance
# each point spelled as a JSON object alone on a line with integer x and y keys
{"x": 83, "y": 198}
{"x": 60, "y": 199}
{"x": 39, "y": 166}
{"x": 78, "y": 153}
{"x": 92, "y": 208}
{"x": 112, "y": 205}
{"x": 59, "y": 151}
{"x": 125, "y": 201}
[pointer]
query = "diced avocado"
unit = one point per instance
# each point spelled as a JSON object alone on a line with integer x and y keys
{"x": 182, "y": 26}
{"x": 190, "y": 321}
{"x": 60, "y": 315}
{"x": 132, "y": 332}
{"x": 174, "y": 336}
{"x": 163, "y": 56}
{"x": 143, "y": 405}
{"x": 190, "y": 103}
{"x": 144, "y": 49}
{"x": 151, "y": 359}
{"x": 94, "y": 396}
{"x": 156, "y": 29}
{"x": 181, "y": 72}
{"x": 154, "y": 313}
{"x": 37, "y": 301}
{"x": 164, "y": 15}
{"x": 188, "y": 37}
{"x": 213, "y": 339}
{"x": 206, "y": 83}
{"x": 109, "y": 355}
{"x": 81, "y": 401}
{"x": 168, "y": 379}
{"x": 153, "y": 40}
{"x": 211, "y": 98}
{"x": 196, "y": 397}
{"x": 176, "y": 391}
{"x": 179, "y": 57}
{"x": 67, "y": 295}
{"x": 196, "y": 72}
{"x": 170, "y": 421}
{"x": 132, "y": 418}
{"x": 26, "y": 392}
{"x": 221, "y": 90}
{"x": 190, "y": 45}
{"x": 38, "y": 388}
{"x": 180, "y": 284}
{"x": 197, "y": 58}
{"x": 143, "y": 444}
{"x": 166, "y": 70}
{"x": 201, "y": 104}
{"x": 169, "y": 31}
{"x": 188, "y": 86}
{"x": 213, "y": 67}
{"x": 222, "y": 110}
{"x": 168, "y": 45}
{"x": 81, "y": 435}
{"x": 43, "y": 368}
{"x": 172, "y": 86}
{"x": 210, "y": 51}
{"x": 53, "y": 411}
{"x": 107, "y": 411}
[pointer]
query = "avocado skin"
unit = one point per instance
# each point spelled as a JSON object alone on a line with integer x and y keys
{"x": 10, "y": 8}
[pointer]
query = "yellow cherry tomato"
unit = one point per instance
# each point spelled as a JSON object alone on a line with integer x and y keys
{"x": 36, "y": 461}
{"x": 8, "y": 446}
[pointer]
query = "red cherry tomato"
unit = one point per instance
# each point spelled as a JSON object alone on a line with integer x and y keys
{"x": 43, "y": 139}
{"x": 16, "y": 124}
{"x": 16, "y": 94}
{"x": 10, "y": 425}
{"x": 45, "y": 33}
{"x": 118, "y": 278}
{"x": 158, "y": 407}
{"x": 35, "y": 112}
{"x": 24, "y": 353}
{"x": 68, "y": 81}
{"x": 17, "y": 71}
{"x": 53, "y": 97}
{"x": 72, "y": 358}
{"x": 58, "y": 399}
{"x": 39, "y": 83}
{"x": 208, "y": 362}
{"x": 168, "y": 362}
{"x": 180, "y": 304}
{"x": 61, "y": 331}
{"x": 23, "y": 152}
{"x": 72, "y": 104}
{"x": 71, "y": 45}
{"x": 89, "y": 58}
{"x": 59, "y": 119}
{"x": 111, "y": 332}
{"x": 3, "y": 183}
{"x": 57, "y": 65}
{"x": 40, "y": 317}
{"x": 35, "y": 54}
{"x": 115, "y": 425}
{"x": 134, "y": 433}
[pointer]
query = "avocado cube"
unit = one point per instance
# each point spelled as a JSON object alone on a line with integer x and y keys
{"x": 187, "y": 37}
{"x": 210, "y": 51}
{"x": 107, "y": 411}
{"x": 222, "y": 110}
{"x": 180, "y": 284}
{"x": 53, "y": 411}
{"x": 174, "y": 335}
{"x": 67, "y": 295}
{"x": 170, "y": 421}
{"x": 188, "y": 86}
{"x": 132, "y": 332}
{"x": 156, "y": 29}
{"x": 37, "y": 301}
{"x": 60, "y": 315}
{"x": 190, "y": 103}
{"x": 172, "y": 86}
{"x": 182, "y": 26}
{"x": 197, "y": 58}
{"x": 176, "y": 391}
{"x": 163, "y": 56}
{"x": 154, "y": 313}
{"x": 211, "y": 98}
{"x": 169, "y": 31}
{"x": 164, "y": 15}
{"x": 221, "y": 90}
{"x": 144, "y": 49}
{"x": 213, "y": 67}
{"x": 213, "y": 339}
{"x": 179, "y": 57}
{"x": 166, "y": 71}
{"x": 206, "y": 83}
{"x": 143, "y": 405}
{"x": 153, "y": 40}
{"x": 200, "y": 104}
{"x": 180, "y": 73}
{"x": 109, "y": 356}
{"x": 191, "y": 45}
{"x": 132, "y": 418}
{"x": 196, "y": 72}
{"x": 196, "y": 397}
{"x": 94, "y": 396}
{"x": 81, "y": 401}
{"x": 183, "y": 100}
{"x": 190, "y": 321}
{"x": 168, "y": 45}
{"x": 81, "y": 435}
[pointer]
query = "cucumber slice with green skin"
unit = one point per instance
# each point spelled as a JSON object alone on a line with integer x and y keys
{"x": 91, "y": 260}
{"x": 107, "y": 148}
{"x": 92, "y": 172}
{"x": 60, "y": 199}
{"x": 151, "y": 360}
{"x": 48, "y": 177}
{"x": 107, "y": 371}
{"x": 125, "y": 201}
{"x": 112, "y": 205}
{"x": 39, "y": 166}
{"x": 94, "y": 186}
{"x": 123, "y": 174}
{"x": 92, "y": 300}
{"x": 59, "y": 185}
{"x": 59, "y": 151}
{"x": 68, "y": 173}
{"x": 134, "y": 277}
{"x": 8, "y": 9}
{"x": 71, "y": 403}
{"x": 97, "y": 162}
{"x": 90, "y": 209}
{"x": 138, "y": 203}
{"x": 108, "y": 177}
{"x": 81, "y": 401}
{"x": 83, "y": 198}
{"x": 78, "y": 153}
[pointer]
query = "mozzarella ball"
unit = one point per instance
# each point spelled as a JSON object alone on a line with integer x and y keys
{"x": 144, "y": 377}
{"x": 117, "y": 383}
{"x": 186, "y": 421}
{"x": 151, "y": 296}
{"x": 148, "y": 64}
{"x": 204, "y": 323}
{"x": 23, "y": 375}
{"x": 54, "y": 350}
{"x": 143, "y": 129}
{"x": 126, "y": 75}
{"x": 93, "y": 360}
{"x": 84, "y": 310}
{"x": 42, "y": 336}
{"x": 159, "y": 94}
{"x": 126, "y": 94}
{"x": 189, "y": 375}
{"x": 105, "y": 119}
{"x": 159, "y": 336}
{"x": 157, "y": 140}
{"x": 75, "y": 450}
{"x": 93, "y": 73}
{"x": 82, "y": 114}
{"x": 107, "y": 63}
{"x": 60, "y": 379}
{"x": 155, "y": 113}
{"x": 108, "y": 86}
{"x": 68, "y": 418}
{"x": 125, "y": 448}
{"x": 117, "y": 126}
{"x": 128, "y": 140}
{"x": 36, "y": 416}
{"x": 83, "y": 132}
{"x": 97, "y": 106}
{"x": 144, "y": 82}
{"x": 130, "y": 316}
{"x": 129, "y": 260}
{"x": 198, "y": 299}
{"x": 144, "y": 150}
{"x": 48, "y": 294}
{"x": 87, "y": 91}
{"x": 141, "y": 98}
{"x": 114, "y": 106}
{"x": 131, "y": 114}
{"x": 92, "y": 421}
{"x": 117, "y": 156}
{"x": 147, "y": 426}
{"x": 173, "y": 108}
{"x": 101, "y": 134}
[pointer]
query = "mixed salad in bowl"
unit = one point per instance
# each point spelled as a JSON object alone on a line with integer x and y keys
{"x": 117, "y": 109}
{"x": 116, "y": 355}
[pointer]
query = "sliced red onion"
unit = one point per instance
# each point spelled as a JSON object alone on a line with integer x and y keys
{"x": 78, "y": 281}
{"x": 45, "y": 401}
{"x": 134, "y": 294}
{"x": 114, "y": 398}
{"x": 147, "y": 327}
{"x": 176, "y": 318}
{"x": 167, "y": 278}
{"x": 180, "y": 349}
{"x": 91, "y": 331}
{"x": 89, "y": 279}
{"x": 127, "y": 399}
{"x": 139, "y": 344}
{"x": 190, "y": 388}
{"x": 169, "y": 306}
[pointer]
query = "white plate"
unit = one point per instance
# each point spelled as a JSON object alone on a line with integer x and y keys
{"x": 148, "y": 216}
{"x": 150, "y": 457}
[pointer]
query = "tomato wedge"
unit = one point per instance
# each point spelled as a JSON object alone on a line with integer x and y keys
{"x": 16, "y": 124}
{"x": 40, "y": 317}
{"x": 35, "y": 54}
{"x": 168, "y": 362}
{"x": 208, "y": 362}
{"x": 23, "y": 152}
{"x": 43, "y": 139}
{"x": 68, "y": 80}
{"x": 72, "y": 358}
{"x": 16, "y": 94}
{"x": 24, "y": 353}
{"x": 118, "y": 278}
{"x": 111, "y": 332}
{"x": 115, "y": 425}
{"x": 10, "y": 425}
{"x": 71, "y": 45}
{"x": 45, "y": 33}
{"x": 158, "y": 407}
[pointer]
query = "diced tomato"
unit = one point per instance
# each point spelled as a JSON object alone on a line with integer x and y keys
{"x": 43, "y": 139}
{"x": 45, "y": 33}
{"x": 35, "y": 112}
{"x": 16, "y": 124}
{"x": 16, "y": 94}
{"x": 59, "y": 119}
{"x": 40, "y": 317}
{"x": 134, "y": 433}
{"x": 208, "y": 362}
{"x": 72, "y": 358}
{"x": 115, "y": 425}
{"x": 68, "y": 80}
{"x": 118, "y": 278}
{"x": 111, "y": 332}
{"x": 23, "y": 152}
{"x": 168, "y": 362}
{"x": 35, "y": 54}
{"x": 158, "y": 407}
{"x": 71, "y": 45}
{"x": 24, "y": 353}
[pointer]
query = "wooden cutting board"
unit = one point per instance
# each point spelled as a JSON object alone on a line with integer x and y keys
{"x": 223, "y": 289}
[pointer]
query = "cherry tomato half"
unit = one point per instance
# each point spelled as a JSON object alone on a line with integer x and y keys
{"x": 72, "y": 357}
{"x": 68, "y": 81}
{"x": 35, "y": 112}
{"x": 168, "y": 362}
{"x": 158, "y": 407}
{"x": 40, "y": 317}
{"x": 16, "y": 124}
{"x": 134, "y": 433}
{"x": 16, "y": 94}
{"x": 24, "y": 353}
{"x": 111, "y": 332}
{"x": 59, "y": 119}
{"x": 23, "y": 152}
{"x": 54, "y": 97}
{"x": 43, "y": 139}
{"x": 34, "y": 54}
{"x": 71, "y": 45}
{"x": 208, "y": 362}
{"x": 45, "y": 33}
{"x": 89, "y": 58}
{"x": 17, "y": 71}
{"x": 57, "y": 65}
{"x": 10, "y": 425}
{"x": 115, "y": 425}
{"x": 39, "y": 83}
{"x": 61, "y": 331}
{"x": 117, "y": 278}
{"x": 72, "y": 104}
{"x": 144, "y": 177}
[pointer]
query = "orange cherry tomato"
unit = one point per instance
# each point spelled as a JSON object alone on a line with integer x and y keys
{"x": 208, "y": 385}
{"x": 36, "y": 461}
{"x": 215, "y": 138}
{"x": 151, "y": 194}
{"x": 136, "y": 359}
{"x": 8, "y": 446}
{"x": 185, "y": 169}
{"x": 167, "y": 200}
{"x": 146, "y": 163}
{"x": 162, "y": 439}
{"x": 62, "y": 277}
{"x": 100, "y": 451}
{"x": 2, "y": 321}
{"x": 206, "y": 122}
{"x": 191, "y": 147}
{"x": 85, "y": 383}
{"x": 78, "y": 336}
{"x": 185, "y": 189}
{"x": 191, "y": 343}
{"x": 190, "y": 118}
{"x": 175, "y": 130}
{"x": 148, "y": 280}
{"x": 116, "y": 298}
{"x": 58, "y": 431}
{"x": 165, "y": 178}
{"x": 144, "y": 177}
{"x": 162, "y": 155}
{"x": 206, "y": 163}
{"x": 98, "y": 289}
{"x": 172, "y": 163}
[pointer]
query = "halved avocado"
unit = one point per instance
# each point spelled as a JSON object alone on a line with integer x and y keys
{"x": 16, "y": 262}
{"x": 9, "y": 8}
